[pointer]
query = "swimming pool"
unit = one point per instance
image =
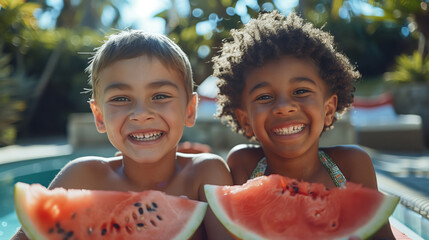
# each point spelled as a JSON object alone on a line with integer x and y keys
{"x": 43, "y": 171}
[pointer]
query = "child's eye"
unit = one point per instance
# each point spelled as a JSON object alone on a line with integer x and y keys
{"x": 160, "y": 96}
{"x": 263, "y": 97}
{"x": 120, "y": 99}
{"x": 301, "y": 91}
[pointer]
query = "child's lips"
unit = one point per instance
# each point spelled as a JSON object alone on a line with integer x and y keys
{"x": 146, "y": 136}
{"x": 289, "y": 129}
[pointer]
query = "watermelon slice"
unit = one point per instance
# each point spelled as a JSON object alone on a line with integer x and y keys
{"x": 86, "y": 214}
{"x": 276, "y": 207}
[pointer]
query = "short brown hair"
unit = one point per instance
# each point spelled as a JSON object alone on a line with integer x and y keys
{"x": 133, "y": 43}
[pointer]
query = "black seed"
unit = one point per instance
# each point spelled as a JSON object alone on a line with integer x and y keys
{"x": 148, "y": 208}
{"x": 103, "y": 232}
{"x": 295, "y": 189}
{"x": 159, "y": 217}
{"x": 115, "y": 225}
{"x": 57, "y": 225}
{"x": 141, "y": 211}
{"x": 140, "y": 224}
{"x": 137, "y": 204}
{"x": 51, "y": 230}
{"x": 154, "y": 205}
{"x": 153, "y": 223}
{"x": 69, "y": 234}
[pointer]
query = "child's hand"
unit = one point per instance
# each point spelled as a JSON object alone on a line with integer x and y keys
{"x": 190, "y": 147}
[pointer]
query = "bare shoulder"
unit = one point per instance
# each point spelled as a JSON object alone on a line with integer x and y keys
{"x": 84, "y": 172}
{"x": 355, "y": 163}
{"x": 242, "y": 159}
{"x": 208, "y": 167}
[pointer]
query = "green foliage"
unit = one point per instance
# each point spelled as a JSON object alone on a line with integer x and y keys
{"x": 410, "y": 69}
{"x": 11, "y": 104}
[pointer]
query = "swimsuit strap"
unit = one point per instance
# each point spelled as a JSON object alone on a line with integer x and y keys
{"x": 260, "y": 168}
{"x": 332, "y": 168}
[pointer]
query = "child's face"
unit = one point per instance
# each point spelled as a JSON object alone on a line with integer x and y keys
{"x": 285, "y": 105}
{"x": 143, "y": 107}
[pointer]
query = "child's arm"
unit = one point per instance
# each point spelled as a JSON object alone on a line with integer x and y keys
{"x": 356, "y": 165}
{"x": 213, "y": 170}
{"x": 242, "y": 159}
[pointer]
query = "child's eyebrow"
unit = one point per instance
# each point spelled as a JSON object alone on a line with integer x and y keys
{"x": 153, "y": 85}
{"x": 293, "y": 80}
{"x": 120, "y": 86}
{"x": 257, "y": 86}
{"x": 304, "y": 79}
{"x": 161, "y": 83}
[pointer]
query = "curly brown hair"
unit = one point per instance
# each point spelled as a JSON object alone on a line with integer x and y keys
{"x": 271, "y": 36}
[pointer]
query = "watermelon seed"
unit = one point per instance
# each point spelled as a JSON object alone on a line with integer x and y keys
{"x": 154, "y": 205}
{"x": 141, "y": 211}
{"x": 51, "y": 230}
{"x": 89, "y": 230}
{"x": 148, "y": 208}
{"x": 129, "y": 229}
{"x": 116, "y": 226}
{"x": 137, "y": 204}
{"x": 69, "y": 234}
{"x": 153, "y": 223}
{"x": 295, "y": 189}
{"x": 134, "y": 216}
{"x": 60, "y": 230}
{"x": 73, "y": 215}
{"x": 103, "y": 232}
{"x": 159, "y": 217}
{"x": 140, "y": 225}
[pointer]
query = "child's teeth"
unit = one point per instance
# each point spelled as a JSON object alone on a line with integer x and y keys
{"x": 289, "y": 130}
{"x": 146, "y": 136}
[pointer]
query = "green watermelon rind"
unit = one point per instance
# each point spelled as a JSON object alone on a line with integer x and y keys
{"x": 194, "y": 222}
{"x": 379, "y": 218}
{"x": 214, "y": 203}
{"x": 22, "y": 189}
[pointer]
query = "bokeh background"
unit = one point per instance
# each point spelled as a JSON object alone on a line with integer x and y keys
{"x": 45, "y": 46}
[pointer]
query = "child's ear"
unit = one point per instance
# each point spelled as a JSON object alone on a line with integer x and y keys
{"x": 191, "y": 111}
{"x": 243, "y": 119}
{"x": 98, "y": 116}
{"x": 330, "y": 109}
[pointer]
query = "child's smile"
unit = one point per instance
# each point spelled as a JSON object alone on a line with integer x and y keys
{"x": 146, "y": 106}
{"x": 285, "y": 105}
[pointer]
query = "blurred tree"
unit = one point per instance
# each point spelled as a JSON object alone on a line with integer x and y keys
{"x": 371, "y": 41}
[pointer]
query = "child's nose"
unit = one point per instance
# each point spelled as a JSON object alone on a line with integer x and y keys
{"x": 285, "y": 106}
{"x": 141, "y": 112}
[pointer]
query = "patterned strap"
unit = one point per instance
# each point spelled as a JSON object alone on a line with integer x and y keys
{"x": 333, "y": 170}
{"x": 260, "y": 168}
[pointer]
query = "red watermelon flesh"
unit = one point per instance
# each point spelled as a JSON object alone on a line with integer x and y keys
{"x": 276, "y": 207}
{"x": 88, "y": 214}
